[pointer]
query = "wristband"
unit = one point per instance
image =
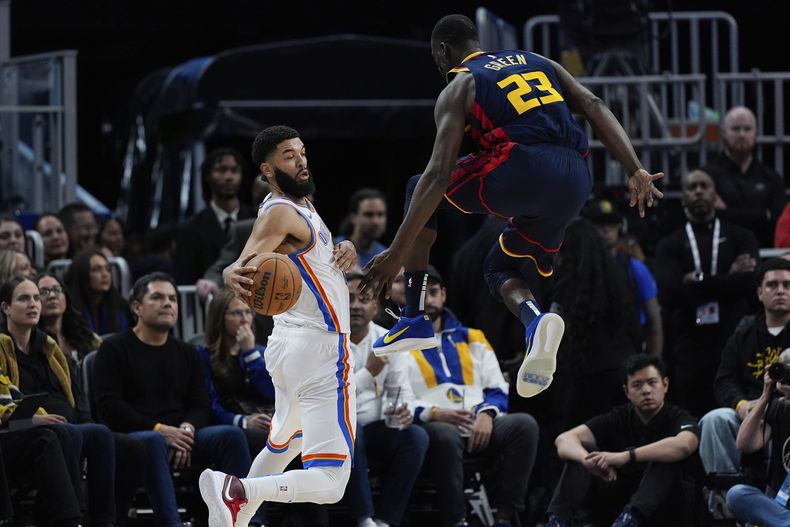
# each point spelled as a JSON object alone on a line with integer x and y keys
{"x": 738, "y": 406}
{"x": 157, "y": 426}
{"x": 631, "y": 455}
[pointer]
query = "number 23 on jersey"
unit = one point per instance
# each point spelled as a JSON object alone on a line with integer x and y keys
{"x": 524, "y": 87}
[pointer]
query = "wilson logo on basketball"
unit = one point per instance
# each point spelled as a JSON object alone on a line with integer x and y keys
{"x": 260, "y": 291}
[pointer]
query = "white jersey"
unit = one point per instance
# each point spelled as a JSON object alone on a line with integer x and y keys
{"x": 323, "y": 303}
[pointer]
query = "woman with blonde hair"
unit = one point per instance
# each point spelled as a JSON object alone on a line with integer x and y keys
{"x": 240, "y": 388}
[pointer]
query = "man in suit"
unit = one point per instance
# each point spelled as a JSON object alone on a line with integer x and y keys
{"x": 202, "y": 236}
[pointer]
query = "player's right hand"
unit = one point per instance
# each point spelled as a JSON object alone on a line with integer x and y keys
{"x": 233, "y": 275}
{"x": 380, "y": 272}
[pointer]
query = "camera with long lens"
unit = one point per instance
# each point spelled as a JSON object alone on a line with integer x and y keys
{"x": 779, "y": 372}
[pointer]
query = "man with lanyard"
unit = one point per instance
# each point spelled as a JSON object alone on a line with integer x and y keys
{"x": 705, "y": 274}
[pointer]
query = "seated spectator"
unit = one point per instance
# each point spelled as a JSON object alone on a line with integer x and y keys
{"x": 609, "y": 223}
{"x": 240, "y": 389}
{"x": 705, "y": 273}
{"x": 757, "y": 342}
{"x": 14, "y": 263}
{"x": 367, "y": 209}
{"x": 12, "y": 234}
{"x": 53, "y": 234}
{"x": 111, "y": 238}
{"x": 628, "y": 464}
{"x": 592, "y": 294}
{"x": 80, "y": 224}
{"x": 462, "y": 400}
{"x": 750, "y": 194}
{"x": 393, "y": 449}
{"x": 201, "y": 238}
{"x": 61, "y": 321}
{"x": 89, "y": 280}
{"x": 36, "y": 364}
{"x": 769, "y": 420}
{"x": 152, "y": 253}
{"x": 151, "y": 385}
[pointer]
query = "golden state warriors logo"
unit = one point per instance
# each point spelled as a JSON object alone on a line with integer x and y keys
{"x": 454, "y": 396}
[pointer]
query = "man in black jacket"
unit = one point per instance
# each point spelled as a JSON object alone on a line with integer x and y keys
{"x": 705, "y": 272}
{"x": 757, "y": 342}
{"x": 201, "y": 238}
{"x": 751, "y": 194}
{"x": 151, "y": 385}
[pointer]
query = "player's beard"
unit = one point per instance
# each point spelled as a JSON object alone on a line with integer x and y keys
{"x": 289, "y": 185}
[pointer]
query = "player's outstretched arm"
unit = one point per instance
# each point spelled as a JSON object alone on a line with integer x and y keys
{"x": 270, "y": 232}
{"x": 608, "y": 129}
{"x": 450, "y": 116}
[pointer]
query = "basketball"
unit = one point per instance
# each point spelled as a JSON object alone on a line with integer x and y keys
{"x": 276, "y": 284}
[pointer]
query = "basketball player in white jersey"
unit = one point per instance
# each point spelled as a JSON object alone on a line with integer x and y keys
{"x": 307, "y": 354}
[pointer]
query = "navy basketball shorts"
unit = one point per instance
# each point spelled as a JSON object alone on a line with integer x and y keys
{"x": 538, "y": 188}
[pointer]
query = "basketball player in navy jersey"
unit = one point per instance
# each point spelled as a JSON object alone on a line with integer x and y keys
{"x": 530, "y": 169}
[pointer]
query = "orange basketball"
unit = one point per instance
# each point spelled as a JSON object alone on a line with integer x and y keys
{"x": 276, "y": 284}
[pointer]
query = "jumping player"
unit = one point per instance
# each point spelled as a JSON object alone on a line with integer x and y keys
{"x": 530, "y": 169}
{"x": 307, "y": 353}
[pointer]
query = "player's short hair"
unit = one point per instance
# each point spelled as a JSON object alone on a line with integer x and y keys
{"x": 267, "y": 140}
{"x": 638, "y": 361}
{"x": 361, "y": 195}
{"x": 455, "y": 30}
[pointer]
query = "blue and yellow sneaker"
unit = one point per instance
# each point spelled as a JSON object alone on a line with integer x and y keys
{"x": 407, "y": 334}
{"x": 543, "y": 339}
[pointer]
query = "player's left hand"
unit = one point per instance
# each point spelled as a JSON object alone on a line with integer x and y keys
{"x": 380, "y": 273}
{"x": 643, "y": 191}
{"x": 345, "y": 256}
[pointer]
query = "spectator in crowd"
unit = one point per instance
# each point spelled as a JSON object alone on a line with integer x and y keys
{"x": 592, "y": 294}
{"x": 53, "y": 234}
{"x": 61, "y": 321}
{"x": 628, "y": 464}
{"x": 240, "y": 389}
{"x": 111, "y": 237}
{"x": 462, "y": 400}
{"x": 94, "y": 295}
{"x": 36, "y": 364}
{"x": 68, "y": 328}
{"x": 13, "y": 263}
{"x": 750, "y": 193}
{"x": 769, "y": 420}
{"x": 705, "y": 272}
{"x": 201, "y": 238}
{"x": 12, "y": 234}
{"x": 756, "y": 343}
{"x": 389, "y": 308}
{"x": 609, "y": 223}
{"x": 80, "y": 224}
{"x": 367, "y": 208}
{"x": 151, "y": 385}
{"x": 394, "y": 449}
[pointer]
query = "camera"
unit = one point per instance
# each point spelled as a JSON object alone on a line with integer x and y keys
{"x": 779, "y": 372}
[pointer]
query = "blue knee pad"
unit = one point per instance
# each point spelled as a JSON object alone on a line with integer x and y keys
{"x": 498, "y": 268}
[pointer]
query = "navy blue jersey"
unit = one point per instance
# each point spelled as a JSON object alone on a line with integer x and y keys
{"x": 518, "y": 99}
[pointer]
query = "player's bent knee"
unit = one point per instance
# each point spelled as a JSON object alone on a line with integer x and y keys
{"x": 337, "y": 479}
